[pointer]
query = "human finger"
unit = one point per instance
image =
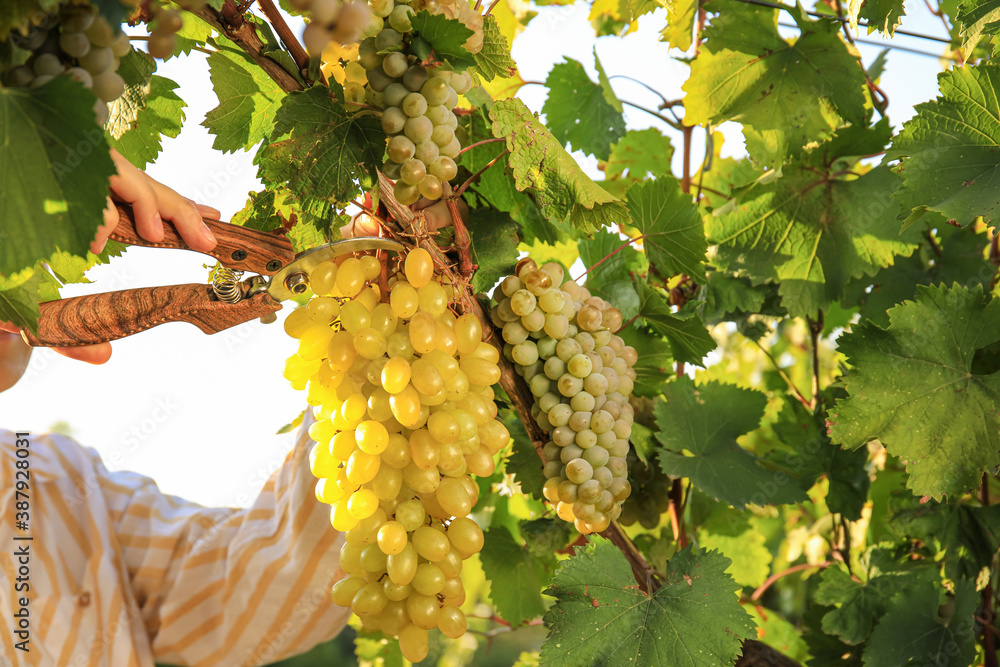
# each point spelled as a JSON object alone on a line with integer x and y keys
{"x": 92, "y": 354}
{"x": 105, "y": 230}
{"x": 185, "y": 216}
{"x": 132, "y": 186}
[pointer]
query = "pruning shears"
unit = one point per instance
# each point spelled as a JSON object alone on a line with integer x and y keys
{"x": 225, "y": 302}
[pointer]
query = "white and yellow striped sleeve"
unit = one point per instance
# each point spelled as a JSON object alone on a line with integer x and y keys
{"x": 231, "y": 586}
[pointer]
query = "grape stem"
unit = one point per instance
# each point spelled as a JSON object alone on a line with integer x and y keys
{"x": 295, "y": 49}
{"x": 481, "y": 143}
{"x": 791, "y": 385}
{"x": 463, "y": 241}
{"x": 490, "y": 9}
{"x": 784, "y": 573}
{"x": 469, "y": 181}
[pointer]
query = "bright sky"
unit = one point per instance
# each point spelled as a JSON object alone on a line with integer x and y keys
{"x": 198, "y": 413}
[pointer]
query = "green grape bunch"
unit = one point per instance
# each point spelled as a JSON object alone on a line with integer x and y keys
{"x": 417, "y": 99}
{"x": 76, "y": 41}
{"x": 562, "y": 343}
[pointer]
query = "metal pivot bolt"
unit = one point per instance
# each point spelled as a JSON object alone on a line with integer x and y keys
{"x": 297, "y": 283}
{"x": 239, "y": 255}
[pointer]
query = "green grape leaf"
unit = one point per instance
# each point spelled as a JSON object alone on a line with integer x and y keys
{"x": 249, "y": 99}
{"x": 496, "y": 186}
{"x": 698, "y": 430}
{"x": 54, "y": 171}
{"x": 516, "y": 575}
{"x": 444, "y": 38}
{"x": 292, "y": 425}
{"x": 859, "y": 605}
{"x": 882, "y": 15}
{"x": 601, "y": 618}
{"x": 19, "y": 297}
{"x": 912, "y": 387}
{"x": 545, "y": 537}
{"x": 671, "y": 226}
{"x": 921, "y": 627}
{"x": 786, "y": 95}
{"x": 729, "y": 532}
{"x": 258, "y": 213}
{"x": 162, "y": 115}
{"x": 320, "y": 149}
{"x": 726, "y": 296}
{"x": 612, "y": 267}
{"x": 655, "y": 363}
{"x": 194, "y": 33}
{"x": 136, "y": 69}
{"x": 977, "y": 18}
{"x": 540, "y": 164}
{"x": 578, "y": 113}
{"x": 373, "y": 648}
{"x": 680, "y": 23}
{"x": 811, "y": 234}
{"x": 494, "y": 247}
{"x": 315, "y": 219}
{"x": 635, "y": 157}
{"x": 688, "y": 337}
{"x": 956, "y": 256}
{"x": 968, "y": 536}
{"x": 949, "y": 161}
{"x": 494, "y": 61}
{"x": 847, "y": 471}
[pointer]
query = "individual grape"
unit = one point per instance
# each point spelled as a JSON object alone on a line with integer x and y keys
{"x": 368, "y": 55}
{"x": 435, "y": 91}
{"x": 412, "y": 171}
{"x": 401, "y": 17}
{"x": 418, "y": 129}
{"x": 414, "y": 105}
{"x": 443, "y": 168}
{"x": 47, "y": 64}
{"x": 430, "y": 187}
{"x": 354, "y": 94}
{"x": 74, "y": 44}
{"x": 387, "y": 40}
{"x": 426, "y": 151}
{"x": 97, "y": 61}
{"x": 415, "y": 77}
{"x": 442, "y": 135}
{"x": 381, "y": 7}
{"x": 395, "y": 65}
{"x": 452, "y": 149}
{"x": 400, "y": 149}
{"x": 438, "y": 114}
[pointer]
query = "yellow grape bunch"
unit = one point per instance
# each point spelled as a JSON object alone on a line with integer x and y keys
{"x": 405, "y": 416}
{"x": 580, "y": 373}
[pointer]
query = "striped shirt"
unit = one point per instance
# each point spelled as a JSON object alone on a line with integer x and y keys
{"x": 122, "y": 575}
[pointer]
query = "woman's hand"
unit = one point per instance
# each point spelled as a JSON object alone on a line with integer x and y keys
{"x": 152, "y": 202}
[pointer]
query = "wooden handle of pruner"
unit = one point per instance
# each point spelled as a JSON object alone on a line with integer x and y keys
{"x": 97, "y": 318}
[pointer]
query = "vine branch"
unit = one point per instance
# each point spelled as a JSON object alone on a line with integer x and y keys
{"x": 285, "y": 34}
{"x": 244, "y": 35}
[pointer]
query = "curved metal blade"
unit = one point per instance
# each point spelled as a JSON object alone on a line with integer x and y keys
{"x": 282, "y": 284}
